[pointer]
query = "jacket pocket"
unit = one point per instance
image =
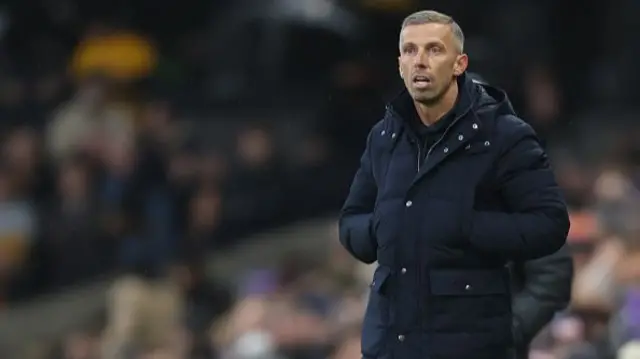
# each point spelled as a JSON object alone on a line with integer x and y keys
{"x": 471, "y": 301}
{"x": 470, "y": 282}
{"x": 377, "y": 316}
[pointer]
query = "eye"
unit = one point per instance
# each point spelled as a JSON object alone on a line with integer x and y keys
{"x": 435, "y": 50}
{"x": 409, "y": 49}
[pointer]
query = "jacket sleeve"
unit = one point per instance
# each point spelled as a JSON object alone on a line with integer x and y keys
{"x": 536, "y": 221}
{"x": 356, "y": 215}
{"x": 546, "y": 290}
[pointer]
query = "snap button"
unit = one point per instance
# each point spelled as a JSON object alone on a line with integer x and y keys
{"x": 446, "y": 149}
{"x": 403, "y": 270}
{"x": 409, "y": 204}
{"x": 401, "y": 337}
{"x": 383, "y": 132}
{"x": 460, "y": 137}
{"x": 393, "y": 135}
{"x": 467, "y": 287}
{"x": 475, "y": 126}
{"x": 487, "y": 143}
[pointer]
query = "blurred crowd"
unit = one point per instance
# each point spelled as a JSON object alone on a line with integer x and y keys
{"x": 133, "y": 146}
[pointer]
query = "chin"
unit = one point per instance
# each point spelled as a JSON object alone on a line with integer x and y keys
{"x": 428, "y": 97}
{"x": 424, "y": 98}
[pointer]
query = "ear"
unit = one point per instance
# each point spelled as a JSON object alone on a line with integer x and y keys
{"x": 461, "y": 64}
{"x": 400, "y": 69}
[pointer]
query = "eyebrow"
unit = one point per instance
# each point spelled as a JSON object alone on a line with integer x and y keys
{"x": 428, "y": 44}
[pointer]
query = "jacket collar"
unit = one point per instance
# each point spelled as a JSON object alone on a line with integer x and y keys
{"x": 401, "y": 107}
{"x": 402, "y": 103}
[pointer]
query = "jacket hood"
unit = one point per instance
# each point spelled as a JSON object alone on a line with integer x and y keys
{"x": 488, "y": 98}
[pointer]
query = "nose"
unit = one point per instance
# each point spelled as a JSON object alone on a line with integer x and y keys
{"x": 421, "y": 60}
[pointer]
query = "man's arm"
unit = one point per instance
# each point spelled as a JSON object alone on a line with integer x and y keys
{"x": 357, "y": 212}
{"x": 537, "y": 222}
{"x": 546, "y": 290}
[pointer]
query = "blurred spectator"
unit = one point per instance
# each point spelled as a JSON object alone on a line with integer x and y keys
{"x": 18, "y": 230}
{"x": 543, "y": 102}
{"x": 74, "y": 244}
{"x": 80, "y": 346}
{"x": 353, "y": 108}
{"x": 256, "y": 167}
{"x": 350, "y": 346}
{"x": 22, "y": 155}
{"x": 205, "y": 212}
{"x": 89, "y": 121}
{"x": 12, "y": 96}
{"x": 143, "y": 313}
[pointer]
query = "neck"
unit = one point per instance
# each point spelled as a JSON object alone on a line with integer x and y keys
{"x": 432, "y": 112}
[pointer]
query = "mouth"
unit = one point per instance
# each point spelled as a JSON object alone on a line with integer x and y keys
{"x": 421, "y": 81}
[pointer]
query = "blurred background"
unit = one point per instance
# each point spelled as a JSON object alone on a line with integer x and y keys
{"x": 170, "y": 172}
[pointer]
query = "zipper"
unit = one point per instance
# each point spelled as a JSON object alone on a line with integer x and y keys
{"x": 419, "y": 278}
{"x": 444, "y": 134}
{"x": 421, "y": 305}
{"x": 435, "y": 144}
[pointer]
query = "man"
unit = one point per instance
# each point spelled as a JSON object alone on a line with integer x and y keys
{"x": 452, "y": 187}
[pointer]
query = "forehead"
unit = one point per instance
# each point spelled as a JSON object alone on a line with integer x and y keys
{"x": 427, "y": 33}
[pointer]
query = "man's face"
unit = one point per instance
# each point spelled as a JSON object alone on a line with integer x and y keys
{"x": 429, "y": 60}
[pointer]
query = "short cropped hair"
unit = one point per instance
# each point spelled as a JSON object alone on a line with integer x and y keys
{"x": 434, "y": 17}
